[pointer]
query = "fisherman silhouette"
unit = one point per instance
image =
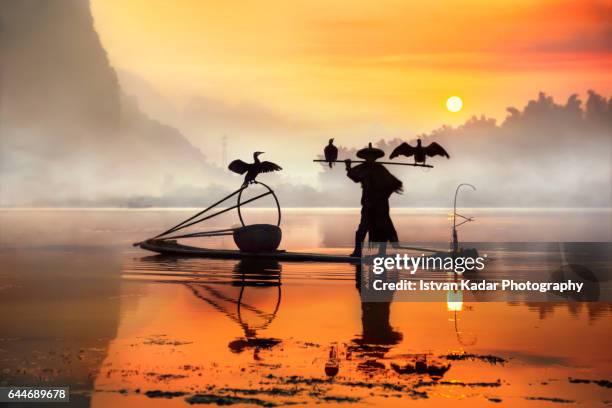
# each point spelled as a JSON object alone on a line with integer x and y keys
{"x": 377, "y": 184}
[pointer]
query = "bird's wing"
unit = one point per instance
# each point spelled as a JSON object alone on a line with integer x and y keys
{"x": 238, "y": 166}
{"x": 404, "y": 149}
{"x": 435, "y": 149}
{"x": 266, "y": 167}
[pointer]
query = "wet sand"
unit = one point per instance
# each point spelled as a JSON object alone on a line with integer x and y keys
{"x": 124, "y": 328}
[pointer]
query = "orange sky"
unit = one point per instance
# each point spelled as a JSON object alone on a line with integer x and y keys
{"x": 356, "y": 62}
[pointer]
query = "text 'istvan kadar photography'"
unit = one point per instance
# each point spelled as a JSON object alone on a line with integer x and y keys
{"x": 305, "y": 203}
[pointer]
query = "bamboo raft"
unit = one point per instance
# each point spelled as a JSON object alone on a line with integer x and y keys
{"x": 171, "y": 247}
{"x": 255, "y": 241}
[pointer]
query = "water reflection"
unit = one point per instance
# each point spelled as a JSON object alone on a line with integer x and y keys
{"x": 546, "y": 310}
{"x": 454, "y": 304}
{"x": 267, "y": 351}
{"x": 258, "y": 275}
{"x": 60, "y": 311}
{"x": 253, "y": 307}
{"x": 169, "y": 328}
{"x": 377, "y": 334}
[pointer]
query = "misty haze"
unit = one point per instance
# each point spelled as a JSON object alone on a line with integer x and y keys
{"x": 75, "y": 134}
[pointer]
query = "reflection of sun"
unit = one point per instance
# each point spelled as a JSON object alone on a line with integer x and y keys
{"x": 454, "y": 104}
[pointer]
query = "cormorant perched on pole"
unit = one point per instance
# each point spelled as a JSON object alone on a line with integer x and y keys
{"x": 252, "y": 170}
{"x": 419, "y": 152}
{"x": 331, "y": 153}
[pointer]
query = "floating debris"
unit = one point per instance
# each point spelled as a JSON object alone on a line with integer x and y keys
{"x": 189, "y": 367}
{"x": 269, "y": 391}
{"x": 296, "y": 379}
{"x": 459, "y": 383}
{"x": 369, "y": 350}
{"x": 164, "y": 394}
{"x": 371, "y": 365}
{"x": 165, "y": 377}
{"x": 308, "y": 344}
{"x": 406, "y": 369}
{"x": 488, "y": 358}
{"x": 160, "y": 340}
{"x": 239, "y": 345}
{"x": 226, "y": 400}
{"x": 420, "y": 365}
{"x": 558, "y": 400}
{"x": 405, "y": 389}
{"x": 436, "y": 372}
{"x": 387, "y": 386}
{"x": 601, "y": 383}
{"x": 340, "y": 399}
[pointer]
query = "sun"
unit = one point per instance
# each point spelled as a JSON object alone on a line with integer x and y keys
{"x": 454, "y": 104}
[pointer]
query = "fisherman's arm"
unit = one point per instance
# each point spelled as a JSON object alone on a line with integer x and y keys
{"x": 350, "y": 172}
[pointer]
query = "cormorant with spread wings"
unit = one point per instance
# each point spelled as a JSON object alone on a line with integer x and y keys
{"x": 252, "y": 170}
{"x": 419, "y": 152}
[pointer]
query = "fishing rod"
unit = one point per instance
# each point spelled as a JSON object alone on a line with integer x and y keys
{"x": 189, "y": 222}
{"x": 182, "y": 225}
{"x": 380, "y": 162}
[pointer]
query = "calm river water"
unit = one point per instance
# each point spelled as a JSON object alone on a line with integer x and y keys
{"x": 122, "y": 327}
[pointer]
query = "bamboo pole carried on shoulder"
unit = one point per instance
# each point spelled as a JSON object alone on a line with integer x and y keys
{"x": 429, "y": 166}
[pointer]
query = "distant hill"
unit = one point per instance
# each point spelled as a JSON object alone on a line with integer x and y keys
{"x": 67, "y": 128}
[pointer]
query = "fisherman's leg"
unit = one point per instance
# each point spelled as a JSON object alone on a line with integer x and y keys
{"x": 378, "y": 235}
{"x": 360, "y": 235}
{"x": 382, "y": 248}
{"x": 392, "y": 232}
{"x": 382, "y": 230}
{"x": 393, "y": 238}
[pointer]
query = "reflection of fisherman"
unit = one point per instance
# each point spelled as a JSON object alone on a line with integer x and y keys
{"x": 378, "y": 185}
{"x": 376, "y": 318}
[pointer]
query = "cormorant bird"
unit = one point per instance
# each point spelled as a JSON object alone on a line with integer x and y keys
{"x": 252, "y": 170}
{"x": 331, "y": 153}
{"x": 419, "y": 152}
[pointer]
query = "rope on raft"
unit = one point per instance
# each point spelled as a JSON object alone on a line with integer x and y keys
{"x": 193, "y": 219}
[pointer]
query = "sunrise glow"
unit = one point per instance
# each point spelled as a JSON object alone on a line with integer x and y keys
{"x": 454, "y": 104}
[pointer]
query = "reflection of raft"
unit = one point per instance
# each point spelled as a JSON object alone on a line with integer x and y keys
{"x": 171, "y": 247}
